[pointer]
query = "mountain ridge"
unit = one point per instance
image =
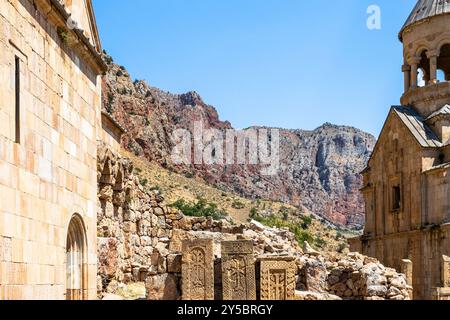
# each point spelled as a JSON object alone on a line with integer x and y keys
{"x": 319, "y": 169}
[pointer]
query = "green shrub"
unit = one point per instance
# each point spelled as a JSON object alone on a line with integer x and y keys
{"x": 274, "y": 222}
{"x": 253, "y": 213}
{"x": 189, "y": 175}
{"x": 200, "y": 209}
{"x": 304, "y": 236}
{"x": 238, "y": 205}
{"x": 63, "y": 34}
{"x": 306, "y": 222}
{"x": 342, "y": 247}
{"x": 155, "y": 188}
{"x": 320, "y": 243}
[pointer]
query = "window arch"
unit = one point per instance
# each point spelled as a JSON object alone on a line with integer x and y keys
{"x": 441, "y": 76}
{"x": 76, "y": 260}
{"x": 423, "y": 69}
{"x": 421, "y": 78}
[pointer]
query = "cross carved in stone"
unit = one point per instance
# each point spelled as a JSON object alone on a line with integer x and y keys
{"x": 237, "y": 272}
{"x": 278, "y": 285}
{"x": 198, "y": 268}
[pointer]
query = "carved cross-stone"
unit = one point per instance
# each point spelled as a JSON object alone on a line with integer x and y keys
{"x": 238, "y": 270}
{"x": 277, "y": 280}
{"x": 197, "y": 270}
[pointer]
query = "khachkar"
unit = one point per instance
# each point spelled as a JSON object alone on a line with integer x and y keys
{"x": 238, "y": 270}
{"x": 277, "y": 278}
{"x": 197, "y": 270}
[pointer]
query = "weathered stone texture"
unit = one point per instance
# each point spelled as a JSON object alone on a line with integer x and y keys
{"x": 198, "y": 270}
{"x": 238, "y": 270}
{"x": 277, "y": 278}
{"x": 446, "y": 271}
{"x": 50, "y": 174}
{"x": 163, "y": 287}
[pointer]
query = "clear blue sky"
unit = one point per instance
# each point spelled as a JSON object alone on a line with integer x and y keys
{"x": 284, "y": 63}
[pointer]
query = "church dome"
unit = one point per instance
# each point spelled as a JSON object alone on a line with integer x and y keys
{"x": 426, "y": 9}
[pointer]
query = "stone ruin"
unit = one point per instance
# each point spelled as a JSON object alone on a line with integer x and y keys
{"x": 142, "y": 240}
{"x": 276, "y": 273}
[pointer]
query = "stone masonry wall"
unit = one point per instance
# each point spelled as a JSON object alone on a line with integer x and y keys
{"x": 48, "y": 174}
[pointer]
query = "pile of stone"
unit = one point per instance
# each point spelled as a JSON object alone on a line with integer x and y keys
{"x": 357, "y": 276}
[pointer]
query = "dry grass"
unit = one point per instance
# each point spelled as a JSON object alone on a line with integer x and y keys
{"x": 174, "y": 187}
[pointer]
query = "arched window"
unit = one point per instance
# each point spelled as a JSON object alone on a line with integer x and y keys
{"x": 421, "y": 78}
{"x": 441, "y": 76}
{"x": 444, "y": 61}
{"x": 424, "y": 70}
{"x": 76, "y": 260}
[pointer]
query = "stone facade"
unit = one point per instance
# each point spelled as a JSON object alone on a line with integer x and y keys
{"x": 406, "y": 183}
{"x": 49, "y": 115}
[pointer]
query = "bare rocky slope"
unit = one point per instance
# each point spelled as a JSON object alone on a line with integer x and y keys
{"x": 319, "y": 169}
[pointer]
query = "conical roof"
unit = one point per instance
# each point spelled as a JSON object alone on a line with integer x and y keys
{"x": 425, "y": 9}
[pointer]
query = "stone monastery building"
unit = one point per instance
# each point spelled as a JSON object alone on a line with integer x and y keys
{"x": 407, "y": 181}
{"x": 69, "y": 227}
{"x": 50, "y": 122}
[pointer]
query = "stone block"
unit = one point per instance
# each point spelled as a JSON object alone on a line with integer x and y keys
{"x": 174, "y": 263}
{"x": 162, "y": 287}
{"x": 277, "y": 278}
{"x": 238, "y": 270}
{"x": 407, "y": 270}
{"x": 197, "y": 270}
{"x": 446, "y": 271}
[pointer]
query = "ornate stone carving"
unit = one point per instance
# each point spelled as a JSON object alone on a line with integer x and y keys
{"x": 238, "y": 270}
{"x": 277, "y": 280}
{"x": 197, "y": 270}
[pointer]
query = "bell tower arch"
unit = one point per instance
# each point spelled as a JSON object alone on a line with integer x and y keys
{"x": 426, "y": 42}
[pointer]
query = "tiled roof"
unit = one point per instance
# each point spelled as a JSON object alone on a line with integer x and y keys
{"x": 444, "y": 111}
{"x": 425, "y": 9}
{"x": 415, "y": 123}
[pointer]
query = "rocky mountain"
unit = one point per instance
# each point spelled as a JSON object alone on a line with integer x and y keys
{"x": 319, "y": 169}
